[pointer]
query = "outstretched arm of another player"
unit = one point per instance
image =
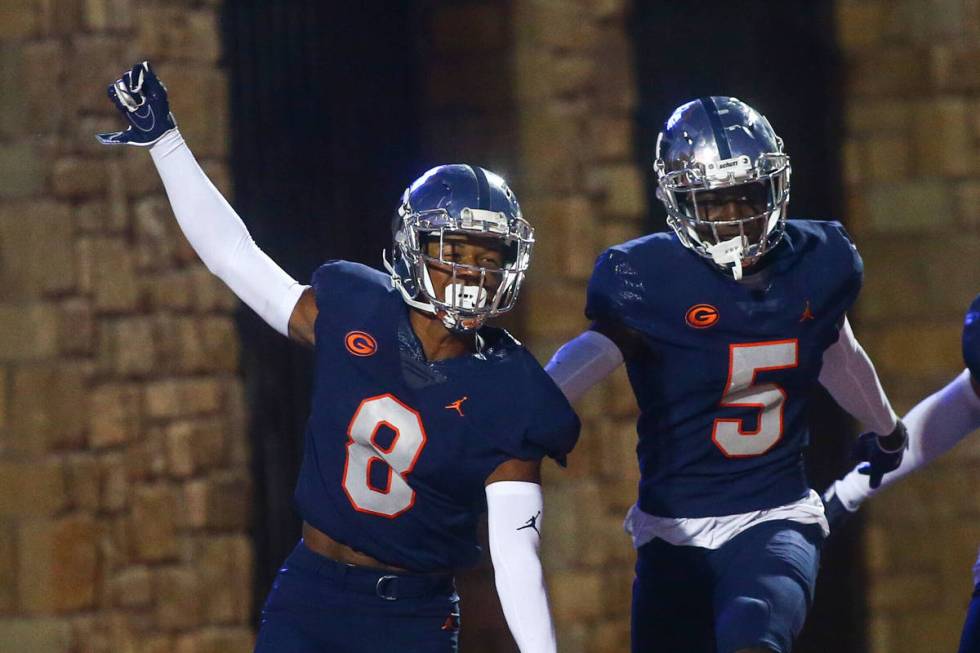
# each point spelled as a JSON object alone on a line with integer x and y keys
{"x": 210, "y": 224}
{"x": 584, "y": 361}
{"x": 514, "y": 510}
{"x": 935, "y": 425}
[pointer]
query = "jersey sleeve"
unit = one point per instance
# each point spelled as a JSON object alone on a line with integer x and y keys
{"x": 616, "y": 292}
{"x": 551, "y": 427}
{"x": 847, "y": 261}
{"x": 337, "y": 284}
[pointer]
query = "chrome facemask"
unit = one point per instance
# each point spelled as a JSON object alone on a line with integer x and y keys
{"x": 474, "y": 293}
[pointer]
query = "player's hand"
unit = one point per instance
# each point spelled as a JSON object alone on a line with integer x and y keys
{"x": 971, "y": 339}
{"x": 834, "y": 509}
{"x": 883, "y": 453}
{"x": 142, "y": 100}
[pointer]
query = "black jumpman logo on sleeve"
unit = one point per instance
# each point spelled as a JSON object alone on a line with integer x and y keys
{"x": 532, "y": 522}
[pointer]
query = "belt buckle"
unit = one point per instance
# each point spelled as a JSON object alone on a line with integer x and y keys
{"x": 381, "y": 588}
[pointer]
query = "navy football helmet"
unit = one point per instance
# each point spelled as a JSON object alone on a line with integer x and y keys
{"x": 459, "y": 200}
{"x": 715, "y": 151}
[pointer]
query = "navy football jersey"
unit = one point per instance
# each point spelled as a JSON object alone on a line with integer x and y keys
{"x": 398, "y": 448}
{"x": 728, "y": 366}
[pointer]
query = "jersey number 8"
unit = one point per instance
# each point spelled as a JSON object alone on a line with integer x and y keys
{"x": 744, "y": 360}
{"x": 399, "y": 457}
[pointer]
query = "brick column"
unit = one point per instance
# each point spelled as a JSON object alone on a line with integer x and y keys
{"x": 912, "y": 149}
{"x": 123, "y": 455}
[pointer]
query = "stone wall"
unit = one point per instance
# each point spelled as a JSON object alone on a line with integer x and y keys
{"x": 124, "y": 488}
{"x": 912, "y": 149}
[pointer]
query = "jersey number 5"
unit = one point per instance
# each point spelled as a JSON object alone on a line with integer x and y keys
{"x": 744, "y": 360}
{"x": 399, "y": 457}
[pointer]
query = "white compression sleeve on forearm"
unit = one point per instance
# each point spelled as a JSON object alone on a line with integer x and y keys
{"x": 220, "y": 238}
{"x": 514, "y": 519}
{"x": 582, "y": 362}
{"x": 850, "y": 378}
{"x": 935, "y": 425}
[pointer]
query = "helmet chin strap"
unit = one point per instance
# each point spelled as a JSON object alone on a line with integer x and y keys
{"x": 729, "y": 253}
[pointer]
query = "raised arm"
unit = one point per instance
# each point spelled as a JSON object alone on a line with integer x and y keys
{"x": 210, "y": 224}
{"x": 514, "y": 511}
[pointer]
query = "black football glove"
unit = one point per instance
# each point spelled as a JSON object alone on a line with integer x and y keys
{"x": 883, "y": 453}
{"x": 142, "y": 100}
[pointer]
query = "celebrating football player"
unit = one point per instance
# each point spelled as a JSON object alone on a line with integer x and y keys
{"x": 422, "y": 417}
{"x": 726, "y": 326}
{"x": 935, "y": 425}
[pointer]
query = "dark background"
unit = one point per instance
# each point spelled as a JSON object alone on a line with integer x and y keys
{"x": 327, "y": 131}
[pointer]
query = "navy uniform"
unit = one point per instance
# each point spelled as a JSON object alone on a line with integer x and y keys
{"x": 723, "y": 382}
{"x": 396, "y": 455}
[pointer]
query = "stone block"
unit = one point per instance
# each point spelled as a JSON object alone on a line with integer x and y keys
{"x": 4, "y": 410}
{"x": 551, "y": 146}
{"x": 182, "y": 397}
{"x": 44, "y": 635}
{"x": 225, "y": 566}
{"x": 887, "y": 71}
{"x": 14, "y": 116}
{"x": 43, "y": 60}
{"x": 128, "y": 346}
{"x": 23, "y": 170}
{"x": 216, "y": 640}
{"x": 860, "y": 24}
{"x": 154, "y": 522}
{"x": 107, "y": 263}
{"x": 8, "y": 568}
{"x": 942, "y": 143}
{"x": 155, "y": 240}
{"x": 177, "y": 598}
{"x": 132, "y": 587}
{"x": 75, "y": 177}
{"x": 106, "y": 58}
{"x": 140, "y": 173}
{"x": 49, "y": 406}
{"x": 624, "y": 190}
{"x": 865, "y": 116}
{"x": 76, "y": 330}
{"x": 25, "y": 229}
{"x": 914, "y": 205}
{"x": 221, "y": 343}
{"x": 191, "y": 355}
{"x": 903, "y": 591}
{"x": 616, "y": 87}
{"x": 464, "y": 83}
{"x": 18, "y": 20}
{"x": 576, "y": 595}
{"x": 888, "y": 158}
{"x": 613, "y": 137}
{"x": 32, "y": 488}
{"x": 192, "y": 87}
{"x": 553, "y": 310}
{"x": 82, "y": 481}
{"x": 220, "y": 501}
{"x": 174, "y": 33}
{"x": 555, "y": 26}
{"x": 107, "y": 15}
{"x": 114, "y": 483}
{"x": 219, "y": 173}
{"x": 57, "y": 564}
{"x": 115, "y": 414}
{"x": 210, "y": 293}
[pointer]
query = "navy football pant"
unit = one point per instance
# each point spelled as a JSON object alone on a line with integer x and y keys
{"x": 970, "y": 640}
{"x": 317, "y": 604}
{"x": 755, "y": 590}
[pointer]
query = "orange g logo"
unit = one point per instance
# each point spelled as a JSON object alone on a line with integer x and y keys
{"x": 701, "y": 316}
{"x": 360, "y": 343}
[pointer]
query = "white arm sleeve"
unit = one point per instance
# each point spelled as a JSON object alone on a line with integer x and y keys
{"x": 220, "y": 238}
{"x": 582, "y": 362}
{"x": 935, "y": 425}
{"x": 850, "y": 378}
{"x": 514, "y": 518}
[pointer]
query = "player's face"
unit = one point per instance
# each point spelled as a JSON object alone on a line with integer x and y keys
{"x": 734, "y": 203}
{"x": 469, "y": 254}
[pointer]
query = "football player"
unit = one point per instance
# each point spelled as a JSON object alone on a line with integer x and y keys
{"x": 422, "y": 417}
{"x": 935, "y": 425}
{"x": 726, "y": 326}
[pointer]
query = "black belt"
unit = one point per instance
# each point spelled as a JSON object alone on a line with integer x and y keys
{"x": 365, "y": 580}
